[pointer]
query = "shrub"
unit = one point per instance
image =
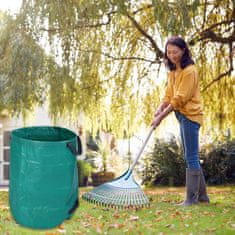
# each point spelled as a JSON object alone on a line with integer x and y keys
{"x": 165, "y": 165}
{"x": 99, "y": 178}
{"x": 84, "y": 171}
{"x": 219, "y": 163}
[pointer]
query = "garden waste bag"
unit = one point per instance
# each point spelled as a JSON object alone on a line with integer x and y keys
{"x": 43, "y": 175}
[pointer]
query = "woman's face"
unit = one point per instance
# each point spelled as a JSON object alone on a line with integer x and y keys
{"x": 174, "y": 53}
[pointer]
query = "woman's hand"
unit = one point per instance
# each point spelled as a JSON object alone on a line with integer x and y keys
{"x": 160, "y": 108}
{"x": 157, "y": 120}
{"x": 161, "y": 113}
{"x": 158, "y": 111}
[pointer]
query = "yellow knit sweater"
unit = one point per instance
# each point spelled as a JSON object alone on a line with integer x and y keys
{"x": 183, "y": 93}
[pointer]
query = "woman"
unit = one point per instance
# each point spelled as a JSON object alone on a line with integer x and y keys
{"x": 182, "y": 96}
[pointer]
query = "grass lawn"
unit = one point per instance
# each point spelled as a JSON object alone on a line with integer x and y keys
{"x": 162, "y": 217}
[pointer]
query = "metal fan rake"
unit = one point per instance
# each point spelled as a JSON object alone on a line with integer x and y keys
{"x": 122, "y": 192}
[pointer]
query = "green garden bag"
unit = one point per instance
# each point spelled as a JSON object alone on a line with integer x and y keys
{"x": 43, "y": 175}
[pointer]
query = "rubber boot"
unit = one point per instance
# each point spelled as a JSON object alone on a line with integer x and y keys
{"x": 202, "y": 195}
{"x": 192, "y": 187}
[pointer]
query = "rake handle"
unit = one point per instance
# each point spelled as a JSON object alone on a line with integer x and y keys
{"x": 142, "y": 148}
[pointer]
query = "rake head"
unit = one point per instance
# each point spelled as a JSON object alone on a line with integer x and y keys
{"x": 123, "y": 192}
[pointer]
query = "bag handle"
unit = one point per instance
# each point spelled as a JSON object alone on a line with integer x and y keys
{"x": 73, "y": 149}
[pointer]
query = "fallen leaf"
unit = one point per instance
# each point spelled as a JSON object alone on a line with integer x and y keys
{"x": 170, "y": 226}
{"x": 116, "y": 225}
{"x": 116, "y": 215}
{"x": 148, "y": 226}
{"x": 76, "y": 232}
{"x": 167, "y": 200}
{"x": 105, "y": 209}
{"x": 4, "y": 208}
{"x": 211, "y": 229}
{"x": 60, "y": 227}
{"x": 61, "y": 230}
{"x": 206, "y": 213}
{"x": 133, "y": 218}
{"x": 171, "y": 209}
{"x": 158, "y": 219}
{"x": 225, "y": 210}
{"x": 158, "y": 212}
{"x": 85, "y": 224}
{"x": 99, "y": 229}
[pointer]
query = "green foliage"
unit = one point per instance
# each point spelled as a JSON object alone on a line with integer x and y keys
{"x": 218, "y": 100}
{"x": 91, "y": 157}
{"x": 84, "y": 171}
{"x": 150, "y": 102}
{"x": 179, "y": 21}
{"x": 93, "y": 83}
{"x": 165, "y": 165}
{"x": 104, "y": 65}
{"x": 219, "y": 163}
{"x": 21, "y": 69}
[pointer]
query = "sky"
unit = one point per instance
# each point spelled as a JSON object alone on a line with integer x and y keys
{"x": 10, "y": 5}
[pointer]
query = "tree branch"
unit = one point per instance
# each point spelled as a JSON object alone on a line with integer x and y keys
{"x": 219, "y": 24}
{"x": 121, "y": 58}
{"x": 227, "y": 73}
{"x": 79, "y": 26}
{"x": 217, "y": 79}
{"x": 142, "y": 8}
{"x": 159, "y": 53}
{"x": 209, "y": 34}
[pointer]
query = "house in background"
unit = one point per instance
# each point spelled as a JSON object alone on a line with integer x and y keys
{"x": 6, "y": 126}
{"x": 39, "y": 118}
{"x": 4, "y": 155}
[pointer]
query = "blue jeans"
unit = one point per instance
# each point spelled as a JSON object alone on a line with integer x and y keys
{"x": 189, "y": 132}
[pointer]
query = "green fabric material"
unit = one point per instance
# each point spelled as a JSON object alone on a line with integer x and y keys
{"x": 43, "y": 176}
